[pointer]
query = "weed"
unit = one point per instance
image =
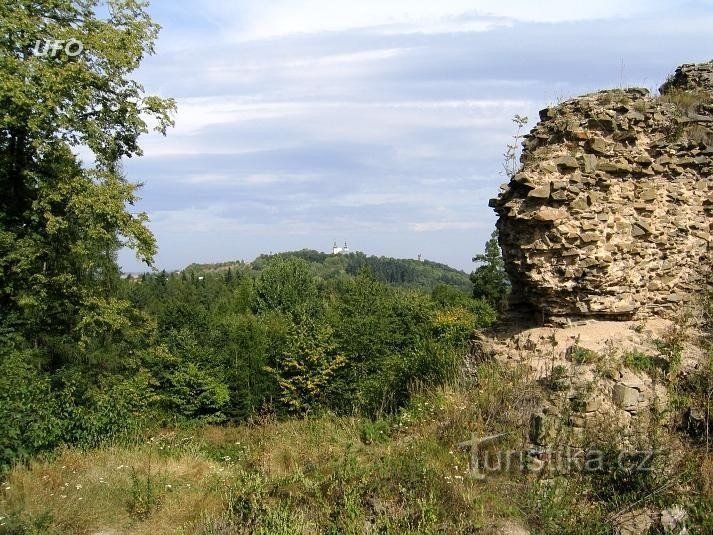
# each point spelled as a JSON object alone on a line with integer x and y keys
{"x": 638, "y": 361}
{"x": 145, "y": 494}
{"x": 557, "y": 379}
{"x": 688, "y": 101}
{"x": 375, "y": 431}
{"x": 582, "y": 355}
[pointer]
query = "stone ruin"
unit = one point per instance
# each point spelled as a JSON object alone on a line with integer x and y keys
{"x": 611, "y": 212}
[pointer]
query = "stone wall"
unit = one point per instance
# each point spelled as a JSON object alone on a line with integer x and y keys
{"x": 611, "y": 212}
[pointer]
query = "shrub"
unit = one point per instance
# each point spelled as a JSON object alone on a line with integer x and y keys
{"x": 636, "y": 360}
{"x": 556, "y": 380}
{"x": 285, "y": 285}
{"x": 31, "y": 415}
{"x": 195, "y": 394}
{"x": 306, "y": 363}
{"x": 582, "y": 355}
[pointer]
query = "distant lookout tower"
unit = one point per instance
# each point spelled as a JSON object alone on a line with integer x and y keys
{"x": 340, "y": 250}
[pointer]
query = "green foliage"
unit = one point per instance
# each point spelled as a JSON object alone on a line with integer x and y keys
{"x": 31, "y": 416}
{"x": 285, "y": 285}
{"x": 670, "y": 350}
{"x": 145, "y": 495}
{"x": 306, "y": 363}
{"x": 60, "y": 222}
{"x": 638, "y": 361}
{"x": 582, "y": 355}
{"x": 490, "y": 281}
{"x": 194, "y": 393}
{"x": 374, "y": 431}
{"x": 88, "y": 356}
{"x": 424, "y": 275}
{"x": 556, "y": 380}
{"x": 510, "y": 161}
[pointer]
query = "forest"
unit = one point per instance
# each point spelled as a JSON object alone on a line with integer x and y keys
{"x": 225, "y": 347}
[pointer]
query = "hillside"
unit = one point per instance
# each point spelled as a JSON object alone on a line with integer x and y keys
{"x": 424, "y": 275}
{"x": 306, "y": 393}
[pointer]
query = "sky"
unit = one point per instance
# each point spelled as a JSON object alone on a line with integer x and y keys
{"x": 379, "y": 123}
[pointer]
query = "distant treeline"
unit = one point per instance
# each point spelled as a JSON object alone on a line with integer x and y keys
{"x": 425, "y": 274}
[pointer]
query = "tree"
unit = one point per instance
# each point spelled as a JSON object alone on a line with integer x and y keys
{"x": 285, "y": 285}
{"x": 307, "y": 363}
{"x": 490, "y": 281}
{"x": 61, "y": 222}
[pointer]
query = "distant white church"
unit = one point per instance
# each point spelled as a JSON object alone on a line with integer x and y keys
{"x": 340, "y": 250}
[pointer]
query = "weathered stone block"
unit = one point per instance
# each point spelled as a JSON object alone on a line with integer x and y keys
{"x": 625, "y": 397}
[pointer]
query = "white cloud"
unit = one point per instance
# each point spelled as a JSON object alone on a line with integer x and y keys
{"x": 227, "y": 179}
{"x": 258, "y": 19}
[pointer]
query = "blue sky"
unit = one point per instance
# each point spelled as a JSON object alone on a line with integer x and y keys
{"x": 382, "y": 123}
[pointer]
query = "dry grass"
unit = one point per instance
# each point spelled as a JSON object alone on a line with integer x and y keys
{"x": 298, "y": 476}
{"x": 90, "y": 492}
{"x": 322, "y": 474}
{"x": 688, "y": 101}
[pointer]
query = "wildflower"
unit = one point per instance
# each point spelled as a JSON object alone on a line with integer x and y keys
{"x": 79, "y": 486}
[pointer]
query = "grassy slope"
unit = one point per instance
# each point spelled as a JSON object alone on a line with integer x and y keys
{"x": 327, "y": 474}
{"x": 323, "y": 473}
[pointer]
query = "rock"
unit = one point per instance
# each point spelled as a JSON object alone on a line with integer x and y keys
{"x": 567, "y": 162}
{"x": 606, "y": 124}
{"x": 695, "y": 422}
{"x": 589, "y": 236}
{"x": 625, "y": 397}
{"x": 585, "y": 222}
{"x": 637, "y": 522}
{"x": 648, "y": 195}
{"x": 589, "y": 163}
{"x": 690, "y": 77}
{"x": 637, "y": 230}
{"x": 597, "y": 145}
{"x": 547, "y": 213}
{"x": 580, "y": 203}
{"x": 541, "y": 192}
{"x": 508, "y": 527}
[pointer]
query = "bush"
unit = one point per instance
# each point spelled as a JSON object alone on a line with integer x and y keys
{"x": 195, "y": 394}
{"x": 306, "y": 363}
{"x": 285, "y": 285}
{"x": 31, "y": 415}
{"x": 638, "y": 361}
{"x": 582, "y": 355}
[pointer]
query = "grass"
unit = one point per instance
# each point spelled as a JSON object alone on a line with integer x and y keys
{"x": 688, "y": 101}
{"x": 638, "y": 361}
{"x": 582, "y": 355}
{"x": 351, "y": 475}
{"x": 323, "y": 474}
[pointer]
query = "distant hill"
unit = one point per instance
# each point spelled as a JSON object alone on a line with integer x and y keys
{"x": 398, "y": 271}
